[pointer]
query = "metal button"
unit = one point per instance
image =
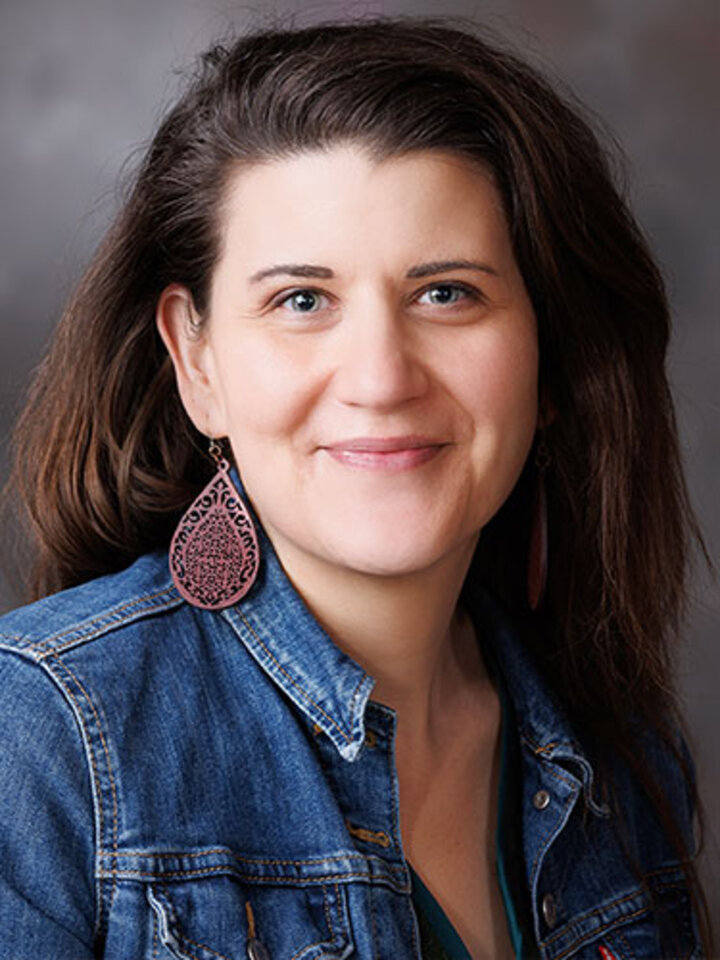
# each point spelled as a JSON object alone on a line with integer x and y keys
{"x": 256, "y": 950}
{"x": 370, "y": 739}
{"x": 549, "y": 910}
{"x": 541, "y": 799}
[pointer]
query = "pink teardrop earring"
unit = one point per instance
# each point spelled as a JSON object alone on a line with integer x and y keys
{"x": 214, "y": 553}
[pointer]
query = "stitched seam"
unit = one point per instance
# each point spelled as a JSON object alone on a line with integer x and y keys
{"x": 155, "y": 936}
{"x": 186, "y": 952}
{"x": 326, "y": 907}
{"x": 318, "y": 943}
{"x": 595, "y": 933}
{"x": 337, "y": 938}
{"x": 670, "y": 885}
{"x": 621, "y": 937}
{"x": 174, "y": 921}
{"x": 14, "y": 638}
{"x": 265, "y": 863}
{"x": 202, "y": 946}
{"x": 594, "y": 913}
{"x": 347, "y": 737}
{"x": 556, "y": 775}
{"x": 96, "y": 779}
{"x": 373, "y": 928}
{"x": 107, "y": 758}
{"x": 108, "y": 621}
{"x": 340, "y": 912}
{"x": 660, "y": 870}
{"x": 107, "y": 617}
{"x": 292, "y": 881}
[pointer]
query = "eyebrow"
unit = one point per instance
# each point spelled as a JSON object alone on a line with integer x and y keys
{"x": 325, "y": 273}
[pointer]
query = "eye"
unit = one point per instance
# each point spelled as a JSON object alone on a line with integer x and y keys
{"x": 306, "y": 300}
{"x": 442, "y": 294}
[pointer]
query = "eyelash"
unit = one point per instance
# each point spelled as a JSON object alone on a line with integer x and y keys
{"x": 470, "y": 293}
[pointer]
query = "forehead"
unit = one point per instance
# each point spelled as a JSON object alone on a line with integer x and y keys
{"x": 342, "y": 203}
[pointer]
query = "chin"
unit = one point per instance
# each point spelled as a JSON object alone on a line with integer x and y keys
{"x": 390, "y": 554}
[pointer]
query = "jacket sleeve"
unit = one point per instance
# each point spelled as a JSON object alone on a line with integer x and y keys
{"x": 47, "y": 898}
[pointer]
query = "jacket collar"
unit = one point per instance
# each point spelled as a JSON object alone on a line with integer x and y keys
{"x": 332, "y": 690}
{"x": 543, "y": 724}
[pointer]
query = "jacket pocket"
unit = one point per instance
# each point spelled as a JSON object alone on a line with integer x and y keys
{"x": 667, "y": 932}
{"x": 219, "y": 918}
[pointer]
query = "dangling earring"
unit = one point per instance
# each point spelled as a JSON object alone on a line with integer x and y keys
{"x": 538, "y": 552}
{"x": 214, "y": 553}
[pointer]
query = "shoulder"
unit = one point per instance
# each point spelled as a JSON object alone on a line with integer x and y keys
{"x": 108, "y": 653}
{"x": 81, "y": 614}
{"x": 117, "y": 663}
{"x": 61, "y": 657}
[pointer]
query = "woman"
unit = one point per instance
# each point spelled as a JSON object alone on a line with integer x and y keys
{"x": 397, "y": 682}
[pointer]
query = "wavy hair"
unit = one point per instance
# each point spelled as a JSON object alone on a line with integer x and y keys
{"x": 106, "y": 459}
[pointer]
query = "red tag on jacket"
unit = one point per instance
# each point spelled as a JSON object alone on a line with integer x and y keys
{"x": 606, "y": 953}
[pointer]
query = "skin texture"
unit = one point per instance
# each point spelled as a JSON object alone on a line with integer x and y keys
{"x": 379, "y": 418}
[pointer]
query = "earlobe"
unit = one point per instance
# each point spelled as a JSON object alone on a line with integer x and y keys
{"x": 181, "y": 331}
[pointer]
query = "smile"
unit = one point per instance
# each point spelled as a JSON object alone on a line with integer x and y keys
{"x": 390, "y": 454}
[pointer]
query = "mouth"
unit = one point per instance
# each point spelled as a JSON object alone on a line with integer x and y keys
{"x": 390, "y": 454}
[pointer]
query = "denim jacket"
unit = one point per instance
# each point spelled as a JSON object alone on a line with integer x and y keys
{"x": 180, "y": 783}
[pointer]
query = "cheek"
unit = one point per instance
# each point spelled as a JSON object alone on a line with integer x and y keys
{"x": 500, "y": 385}
{"x": 266, "y": 392}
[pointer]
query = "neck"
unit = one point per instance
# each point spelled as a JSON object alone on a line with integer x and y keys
{"x": 405, "y": 631}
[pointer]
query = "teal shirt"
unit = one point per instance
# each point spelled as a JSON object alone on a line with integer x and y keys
{"x": 438, "y": 938}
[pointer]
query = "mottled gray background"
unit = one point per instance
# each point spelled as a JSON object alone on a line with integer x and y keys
{"x": 82, "y": 83}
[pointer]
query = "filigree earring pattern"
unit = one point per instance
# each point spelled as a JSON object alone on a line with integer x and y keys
{"x": 214, "y": 553}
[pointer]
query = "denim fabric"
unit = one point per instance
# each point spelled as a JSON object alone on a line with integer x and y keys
{"x": 178, "y": 783}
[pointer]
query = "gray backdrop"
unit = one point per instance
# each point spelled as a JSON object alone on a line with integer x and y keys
{"x": 82, "y": 83}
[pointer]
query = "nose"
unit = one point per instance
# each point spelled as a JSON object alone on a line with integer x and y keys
{"x": 379, "y": 364}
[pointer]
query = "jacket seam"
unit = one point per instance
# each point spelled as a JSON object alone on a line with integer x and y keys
{"x": 592, "y": 913}
{"x": 104, "y": 623}
{"x": 671, "y": 869}
{"x": 96, "y": 777}
{"x": 249, "y": 860}
{"x": 249, "y": 877}
{"x": 331, "y": 931}
{"x": 620, "y": 938}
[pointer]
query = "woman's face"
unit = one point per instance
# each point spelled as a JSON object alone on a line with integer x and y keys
{"x": 370, "y": 351}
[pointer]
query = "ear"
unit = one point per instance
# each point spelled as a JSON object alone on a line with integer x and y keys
{"x": 190, "y": 349}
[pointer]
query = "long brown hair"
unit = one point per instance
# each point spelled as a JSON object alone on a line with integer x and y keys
{"x": 106, "y": 458}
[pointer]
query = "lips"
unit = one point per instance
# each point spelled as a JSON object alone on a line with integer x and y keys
{"x": 385, "y": 453}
